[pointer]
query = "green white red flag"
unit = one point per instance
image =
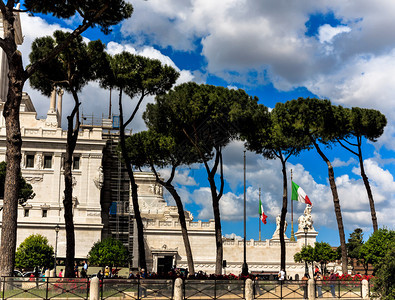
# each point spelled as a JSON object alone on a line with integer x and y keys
{"x": 298, "y": 194}
{"x": 262, "y": 215}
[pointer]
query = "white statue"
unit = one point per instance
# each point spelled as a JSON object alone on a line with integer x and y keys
{"x": 306, "y": 219}
{"x": 277, "y": 231}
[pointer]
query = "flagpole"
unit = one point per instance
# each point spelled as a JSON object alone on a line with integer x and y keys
{"x": 292, "y": 239}
{"x": 244, "y": 268}
{"x": 259, "y": 219}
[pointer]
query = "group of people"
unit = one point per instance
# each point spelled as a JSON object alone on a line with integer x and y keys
{"x": 84, "y": 270}
{"x": 318, "y": 282}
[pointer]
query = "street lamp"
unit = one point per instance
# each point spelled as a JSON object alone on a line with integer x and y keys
{"x": 57, "y": 228}
{"x": 305, "y": 230}
{"x": 244, "y": 267}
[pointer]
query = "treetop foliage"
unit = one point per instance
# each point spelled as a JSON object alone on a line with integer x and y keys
{"x": 108, "y": 252}
{"x": 138, "y": 75}
{"x": 34, "y": 251}
{"x": 72, "y": 69}
{"x": 377, "y": 246}
{"x": 208, "y": 116}
{"x": 103, "y": 13}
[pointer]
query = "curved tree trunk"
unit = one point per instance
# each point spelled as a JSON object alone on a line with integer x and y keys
{"x": 336, "y": 204}
{"x": 183, "y": 224}
{"x": 72, "y": 136}
{"x": 215, "y": 199}
{"x": 283, "y": 214}
{"x": 218, "y": 236}
{"x": 368, "y": 189}
{"x": 136, "y": 208}
{"x": 13, "y": 159}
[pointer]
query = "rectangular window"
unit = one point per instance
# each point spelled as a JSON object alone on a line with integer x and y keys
{"x": 45, "y": 213}
{"x": 26, "y": 213}
{"x": 76, "y": 163}
{"x": 30, "y": 161}
{"x": 47, "y": 161}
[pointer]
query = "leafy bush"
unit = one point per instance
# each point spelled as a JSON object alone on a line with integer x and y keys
{"x": 34, "y": 251}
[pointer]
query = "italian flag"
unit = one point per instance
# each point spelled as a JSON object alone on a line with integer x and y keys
{"x": 262, "y": 215}
{"x": 298, "y": 194}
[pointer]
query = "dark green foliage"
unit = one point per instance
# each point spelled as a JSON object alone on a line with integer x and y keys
{"x": 72, "y": 69}
{"x": 384, "y": 281}
{"x": 377, "y": 246}
{"x": 108, "y": 252}
{"x": 355, "y": 243}
{"x": 34, "y": 251}
{"x": 305, "y": 255}
{"x": 138, "y": 75}
{"x": 26, "y": 190}
{"x": 321, "y": 253}
{"x": 113, "y": 11}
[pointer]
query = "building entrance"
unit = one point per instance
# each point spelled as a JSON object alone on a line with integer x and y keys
{"x": 164, "y": 264}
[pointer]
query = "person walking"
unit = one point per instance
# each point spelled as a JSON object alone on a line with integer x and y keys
{"x": 332, "y": 280}
{"x": 281, "y": 275}
{"x": 76, "y": 269}
{"x": 318, "y": 284}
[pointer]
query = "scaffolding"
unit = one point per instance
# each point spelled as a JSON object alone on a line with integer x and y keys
{"x": 117, "y": 217}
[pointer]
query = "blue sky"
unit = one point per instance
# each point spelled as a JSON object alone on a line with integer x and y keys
{"x": 275, "y": 50}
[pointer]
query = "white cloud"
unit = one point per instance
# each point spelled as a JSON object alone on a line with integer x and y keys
{"x": 326, "y": 32}
{"x": 233, "y": 236}
{"x": 337, "y": 162}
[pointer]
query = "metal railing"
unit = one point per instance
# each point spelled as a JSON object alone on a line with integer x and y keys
{"x": 44, "y": 288}
{"x": 265, "y": 289}
{"x": 137, "y": 288}
{"x": 79, "y": 288}
{"x": 339, "y": 289}
{"x": 213, "y": 289}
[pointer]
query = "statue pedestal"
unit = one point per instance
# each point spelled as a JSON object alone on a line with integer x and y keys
{"x": 309, "y": 238}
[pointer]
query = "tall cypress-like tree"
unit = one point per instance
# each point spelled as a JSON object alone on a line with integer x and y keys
{"x": 363, "y": 124}
{"x": 273, "y": 137}
{"x": 322, "y": 124}
{"x": 149, "y": 148}
{"x": 138, "y": 77}
{"x": 71, "y": 70}
{"x": 101, "y": 13}
{"x": 209, "y": 118}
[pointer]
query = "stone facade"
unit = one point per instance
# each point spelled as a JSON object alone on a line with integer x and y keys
{"x": 43, "y": 153}
{"x": 164, "y": 240}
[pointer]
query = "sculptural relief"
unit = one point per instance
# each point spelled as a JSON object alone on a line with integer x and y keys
{"x": 276, "y": 233}
{"x": 306, "y": 219}
{"x": 99, "y": 180}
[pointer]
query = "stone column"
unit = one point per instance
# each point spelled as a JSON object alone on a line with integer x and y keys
{"x": 94, "y": 291}
{"x": 52, "y": 273}
{"x": 53, "y": 100}
{"x": 365, "y": 289}
{"x": 178, "y": 294}
{"x": 249, "y": 288}
{"x": 60, "y": 96}
{"x": 311, "y": 289}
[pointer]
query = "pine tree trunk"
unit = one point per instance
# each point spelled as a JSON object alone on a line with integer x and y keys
{"x": 283, "y": 215}
{"x": 336, "y": 204}
{"x": 183, "y": 224}
{"x": 13, "y": 159}
{"x": 72, "y": 136}
{"x": 368, "y": 189}
{"x": 135, "y": 201}
{"x": 218, "y": 236}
